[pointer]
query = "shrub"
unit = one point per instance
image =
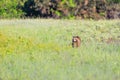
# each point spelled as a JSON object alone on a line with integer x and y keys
{"x": 11, "y": 8}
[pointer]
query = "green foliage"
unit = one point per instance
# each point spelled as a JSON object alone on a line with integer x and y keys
{"x": 48, "y": 8}
{"x": 53, "y": 8}
{"x": 113, "y": 1}
{"x": 11, "y": 8}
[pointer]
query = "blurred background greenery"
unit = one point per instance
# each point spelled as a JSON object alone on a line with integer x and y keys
{"x": 70, "y": 9}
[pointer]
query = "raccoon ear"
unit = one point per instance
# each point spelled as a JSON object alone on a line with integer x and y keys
{"x": 77, "y": 36}
{"x": 73, "y": 36}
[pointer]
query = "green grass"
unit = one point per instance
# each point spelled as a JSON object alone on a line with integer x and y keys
{"x": 41, "y": 49}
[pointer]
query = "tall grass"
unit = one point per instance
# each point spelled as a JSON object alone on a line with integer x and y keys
{"x": 41, "y": 50}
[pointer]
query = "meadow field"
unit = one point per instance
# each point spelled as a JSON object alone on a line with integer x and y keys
{"x": 40, "y": 49}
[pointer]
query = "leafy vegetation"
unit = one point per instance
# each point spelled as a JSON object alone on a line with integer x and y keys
{"x": 11, "y": 9}
{"x": 113, "y": 1}
{"x": 41, "y": 49}
{"x": 70, "y": 9}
